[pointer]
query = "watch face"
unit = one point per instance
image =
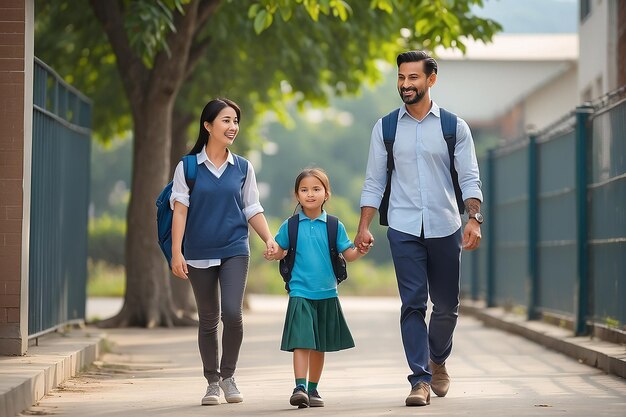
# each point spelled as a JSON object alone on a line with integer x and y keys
{"x": 478, "y": 217}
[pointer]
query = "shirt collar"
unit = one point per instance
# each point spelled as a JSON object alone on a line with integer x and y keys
{"x": 321, "y": 217}
{"x": 434, "y": 109}
{"x": 202, "y": 158}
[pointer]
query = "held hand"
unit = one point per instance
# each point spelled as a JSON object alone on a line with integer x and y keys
{"x": 270, "y": 249}
{"x": 276, "y": 256}
{"x": 363, "y": 241}
{"x": 179, "y": 266}
{"x": 471, "y": 235}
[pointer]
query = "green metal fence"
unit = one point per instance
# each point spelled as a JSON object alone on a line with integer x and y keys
{"x": 554, "y": 243}
{"x": 59, "y": 203}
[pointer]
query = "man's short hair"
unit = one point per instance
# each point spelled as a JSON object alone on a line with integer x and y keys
{"x": 430, "y": 65}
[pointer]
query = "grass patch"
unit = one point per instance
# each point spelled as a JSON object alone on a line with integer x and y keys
{"x": 105, "y": 280}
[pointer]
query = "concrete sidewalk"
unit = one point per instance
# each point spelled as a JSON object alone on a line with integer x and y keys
{"x": 158, "y": 372}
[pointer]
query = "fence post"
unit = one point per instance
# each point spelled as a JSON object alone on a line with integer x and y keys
{"x": 533, "y": 229}
{"x": 490, "y": 229}
{"x": 581, "y": 302}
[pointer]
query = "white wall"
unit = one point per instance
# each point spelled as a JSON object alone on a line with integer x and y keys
{"x": 597, "y": 72}
{"x": 483, "y": 90}
{"x": 553, "y": 100}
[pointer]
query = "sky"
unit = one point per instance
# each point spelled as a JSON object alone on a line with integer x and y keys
{"x": 532, "y": 16}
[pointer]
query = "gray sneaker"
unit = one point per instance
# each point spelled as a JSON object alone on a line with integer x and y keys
{"x": 212, "y": 396}
{"x": 231, "y": 393}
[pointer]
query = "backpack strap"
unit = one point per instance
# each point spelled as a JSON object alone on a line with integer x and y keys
{"x": 448, "y": 127}
{"x": 390, "y": 124}
{"x": 332, "y": 226}
{"x": 290, "y": 259}
{"x": 190, "y": 168}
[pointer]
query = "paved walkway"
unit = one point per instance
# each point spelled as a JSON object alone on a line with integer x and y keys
{"x": 158, "y": 373}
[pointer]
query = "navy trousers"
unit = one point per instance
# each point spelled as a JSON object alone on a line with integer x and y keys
{"x": 426, "y": 267}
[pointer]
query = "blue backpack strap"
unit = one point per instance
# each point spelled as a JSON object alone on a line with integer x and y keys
{"x": 190, "y": 168}
{"x": 390, "y": 124}
{"x": 448, "y": 127}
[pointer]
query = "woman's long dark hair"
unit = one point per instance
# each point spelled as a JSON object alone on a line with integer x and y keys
{"x": 209, "y": 113}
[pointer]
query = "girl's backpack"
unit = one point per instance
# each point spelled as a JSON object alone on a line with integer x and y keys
{"x": 164, "y": 211}
{"x": 285, "y": 265}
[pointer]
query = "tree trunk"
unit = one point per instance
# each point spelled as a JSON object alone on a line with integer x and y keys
{"x": 148, "y": 301}
{"x": 180, "y": 137}
{"x": 182, "y": 293}
{"x": 151, "y": 94}
{"x": 183, "y": 298}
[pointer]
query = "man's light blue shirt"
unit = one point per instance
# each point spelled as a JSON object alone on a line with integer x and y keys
{"x": 422, "y": 193}
{"x": 312, "y": 276}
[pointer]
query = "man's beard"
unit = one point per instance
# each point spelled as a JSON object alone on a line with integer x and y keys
{"x": 418, "y": 95}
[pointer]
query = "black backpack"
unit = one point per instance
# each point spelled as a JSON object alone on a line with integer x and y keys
{"x": 285, "y": 265}
{"x": 448, "y": 127}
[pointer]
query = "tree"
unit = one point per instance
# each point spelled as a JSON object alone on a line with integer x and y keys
{"x": 171, "y": 55}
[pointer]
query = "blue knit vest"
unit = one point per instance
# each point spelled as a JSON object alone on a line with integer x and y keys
{"x": 216, "y": 226}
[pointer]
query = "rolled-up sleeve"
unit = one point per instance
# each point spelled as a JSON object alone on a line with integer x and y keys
{"x": 376, "y": 171}
{"x": 466, "y": 164}
{"x": 180, "y": 190}
{"x": 343, "y": 241}
{"x": 251, "y": 203}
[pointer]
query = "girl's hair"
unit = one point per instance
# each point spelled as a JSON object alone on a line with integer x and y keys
{"x": 318, "y": 173}
{"x": 209, "y": 113}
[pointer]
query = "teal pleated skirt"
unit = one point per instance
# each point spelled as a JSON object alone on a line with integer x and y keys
{"x": 315, "y": 324}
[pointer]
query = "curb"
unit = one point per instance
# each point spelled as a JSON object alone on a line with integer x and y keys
{"x": 609, "y": 357}
{"x": 24, "y": 380}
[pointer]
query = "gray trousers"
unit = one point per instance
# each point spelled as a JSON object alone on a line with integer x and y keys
{"x": 231, "y": 276}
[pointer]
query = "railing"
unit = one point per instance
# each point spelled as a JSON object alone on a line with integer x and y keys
{"x": 59, "y": 203}
{"x": 554, "y": 242}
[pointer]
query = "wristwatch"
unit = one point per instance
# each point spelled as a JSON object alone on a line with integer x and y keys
{"x": 478, "y": 217}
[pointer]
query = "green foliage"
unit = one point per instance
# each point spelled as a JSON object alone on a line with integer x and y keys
{"x": 318, "y": 48}
{"x": 315, "y": 48}
{"x": 106, "y": 239}
{"x": 148, "y": 25}
{"x": 105, "y": 280}
{"x": 70, "y": 40}
{"x": 110, "y": 177}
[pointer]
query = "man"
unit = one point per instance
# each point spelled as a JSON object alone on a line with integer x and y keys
{"x": 424, "y": 232}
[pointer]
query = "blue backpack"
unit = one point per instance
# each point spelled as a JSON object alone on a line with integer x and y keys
{"x": 448, "y": 127}
{"x": 165, "y": 213}
{"x": 285, "y": 265}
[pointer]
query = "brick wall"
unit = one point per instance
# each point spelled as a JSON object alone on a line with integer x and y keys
{"x": 13, "y": 73}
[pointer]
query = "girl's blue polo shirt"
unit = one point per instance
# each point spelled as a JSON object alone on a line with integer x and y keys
{"x": 312, "y": 276}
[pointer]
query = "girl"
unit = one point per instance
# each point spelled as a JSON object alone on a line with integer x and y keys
{"x": 314, "y": 323}
{"x": 213, "y": 219}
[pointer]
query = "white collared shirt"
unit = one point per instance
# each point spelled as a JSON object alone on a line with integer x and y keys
{"x": 250, "y": 194}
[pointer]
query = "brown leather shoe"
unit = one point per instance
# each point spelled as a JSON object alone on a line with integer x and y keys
{"x": 420, "y": 395}
{"x": 441, "y": 380}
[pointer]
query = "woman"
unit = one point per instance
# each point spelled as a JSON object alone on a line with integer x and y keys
{"x": 213, "y": 219}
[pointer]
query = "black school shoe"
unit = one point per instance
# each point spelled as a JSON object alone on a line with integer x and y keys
{"x": 299, "y": 397}
{"x": 314, "y": 399}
